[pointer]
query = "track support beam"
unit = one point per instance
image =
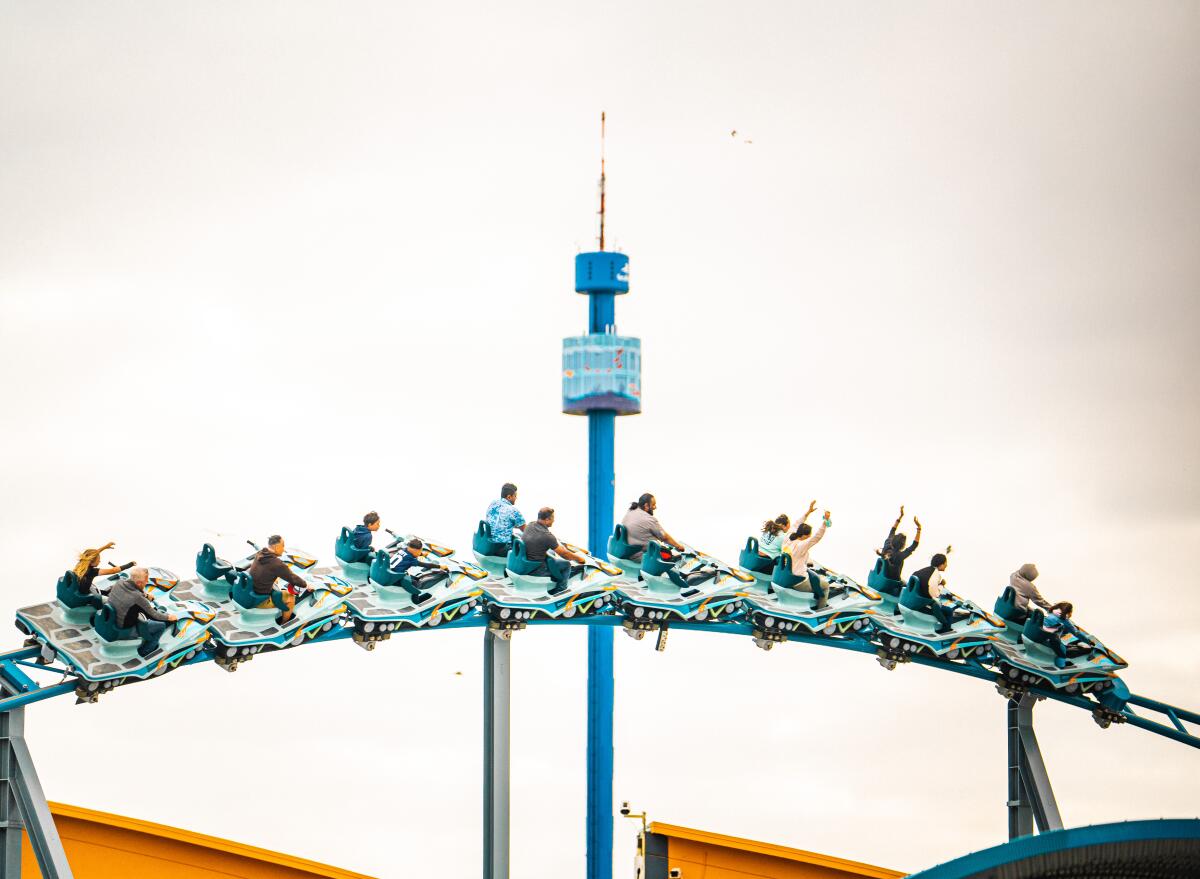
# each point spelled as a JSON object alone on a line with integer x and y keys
{"x": 497, "y": 681}
{"x": 23, "y": 806}
{"x": 1030, "y": 795}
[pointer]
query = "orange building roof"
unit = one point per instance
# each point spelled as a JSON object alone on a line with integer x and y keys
{"x": 100, "y": 845}
{"x": 705, "y": 855}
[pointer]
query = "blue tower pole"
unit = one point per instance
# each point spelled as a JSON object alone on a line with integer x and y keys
{"x": 601, "y": 379}
{"x": 601, "y": 682}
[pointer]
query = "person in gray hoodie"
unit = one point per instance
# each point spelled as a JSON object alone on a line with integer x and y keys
{"x": 132, "y": 609}
{"x": 1021, "y": 581}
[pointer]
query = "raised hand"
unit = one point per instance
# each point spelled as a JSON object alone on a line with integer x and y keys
{"x": 901, "y": 516}
{"x": 917, "y": 522}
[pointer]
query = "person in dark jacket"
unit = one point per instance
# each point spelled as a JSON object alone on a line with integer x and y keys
{"x": 429, "y": 573}
{"x": 540, "y": 542}
{"x": 363, "y": 533}
{"x": 894, "y": 552}
{"x": 133, "y": 610}
{"x": 929, "y": 586}
{"x": 266, "y": 568}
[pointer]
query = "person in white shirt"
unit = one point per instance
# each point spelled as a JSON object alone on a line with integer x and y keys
{"x": 798, "y": 546}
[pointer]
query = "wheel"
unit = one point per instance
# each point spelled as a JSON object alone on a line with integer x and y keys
{"x": 370, "y": 645}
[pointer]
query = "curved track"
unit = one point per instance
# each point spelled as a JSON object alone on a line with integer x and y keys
{"x": 25, "y": 676}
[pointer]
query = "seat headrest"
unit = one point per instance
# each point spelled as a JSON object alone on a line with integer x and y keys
{"x": 751, "y": 544}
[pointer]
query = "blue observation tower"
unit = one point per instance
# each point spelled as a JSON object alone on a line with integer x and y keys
{"x": 602, "y": 378}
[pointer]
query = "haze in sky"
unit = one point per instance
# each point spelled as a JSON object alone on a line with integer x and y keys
{"x": 267, "y": 266}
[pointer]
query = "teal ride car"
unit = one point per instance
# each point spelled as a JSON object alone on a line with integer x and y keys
{"x": 689, "y": 586}
{"x": 519, "y": 596}
{"x": 786, "y": 605}
{"x": 103, "y": 655}
{"x": 386, "y": 604}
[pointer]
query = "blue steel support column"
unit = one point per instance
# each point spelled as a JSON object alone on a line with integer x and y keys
{"x": 601, "y": 685}
{"x": 600, "y": 656}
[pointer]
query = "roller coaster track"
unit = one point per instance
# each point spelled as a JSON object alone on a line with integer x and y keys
{"x": 26, "y": 677}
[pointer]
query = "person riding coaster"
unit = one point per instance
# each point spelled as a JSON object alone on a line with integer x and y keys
{"x": 213, "y": 571}
{"x": 632, "y": 536}
{"x": 138, "y": 632}
{"x": 789, "y": 605}
{"x": 356, "y": 561}
{"x": 1053, "y": 651}
{"x": 274, "y": 604}
{"x": 887, "y": 577}
{"x": 392, "y": 600}
{"x": 544, "y": 578}
{"x": 932, "y": 621}
{"x": 688, "y": 586}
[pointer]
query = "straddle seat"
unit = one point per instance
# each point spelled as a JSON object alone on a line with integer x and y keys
{"x": 751, "y": 560}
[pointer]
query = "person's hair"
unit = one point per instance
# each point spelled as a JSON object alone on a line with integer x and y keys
{"x": 1063, "y": 609}
{"x": 136, "y": 573}
{"x": 415, "y": 543}
{"x": 642, "y": 501}
{"x": 545, "y": 514}
{"x": 802, "y": 531}
{"x": 776, "y": 525}
{"x": 896, "y": 544}
{"x": 274, "y": 540}
{"x": 507, "y": 489}
{"x": 938, "y": 559}
{"x": 371, "y": 518}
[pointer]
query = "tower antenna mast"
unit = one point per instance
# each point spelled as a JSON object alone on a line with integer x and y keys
{"x": 602, "y": 115}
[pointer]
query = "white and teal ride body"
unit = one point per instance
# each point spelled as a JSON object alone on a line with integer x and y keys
{"x": 910, "y": 631}
{"x": 786, "y": 605}
{"x": 103, "y": 655}
{"x": 382, "y": 605}
{"x": 491, "y": 555}
{"x": 356, "y": 563}
{"x": 246, "y": 621}
{"x": 658, "y": 599}
{"x": 519, "y": 596}
{"x": 1025, "y": 657}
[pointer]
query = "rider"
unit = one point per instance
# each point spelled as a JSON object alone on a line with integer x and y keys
{"x": 265, "y": 569}
{"x": 363, "y": 533}
{"x": 412, "y": 557}
{"x": 929, "y": 585}
{"x": 1057, "y": 621}
{"x": 539, "y": 540}
{"x": 642, "y": 526}
{"x": 774, "y": 533}
{"x": 799, "y": 544}
{"x": 503, "y": 517}
{"x": 131, "y": 608}
{"x": 894, "y": 553}
{"x": 1021, "y": 581}
{"x": 87, "y": 569}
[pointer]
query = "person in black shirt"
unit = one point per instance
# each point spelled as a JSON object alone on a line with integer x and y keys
{"x": 894, "y": 552}
{"x": 539, "y": 541}
{"x": 88, "y": 568}
{"x": 929, "y": 586}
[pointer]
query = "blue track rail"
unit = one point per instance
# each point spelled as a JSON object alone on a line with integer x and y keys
{"x": 27, "y": 680}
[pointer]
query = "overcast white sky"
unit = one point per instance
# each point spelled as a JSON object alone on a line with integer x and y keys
{"x": 265, "y": 266}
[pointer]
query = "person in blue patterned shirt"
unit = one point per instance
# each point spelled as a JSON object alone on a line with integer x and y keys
{"x": 502, "y": 516}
